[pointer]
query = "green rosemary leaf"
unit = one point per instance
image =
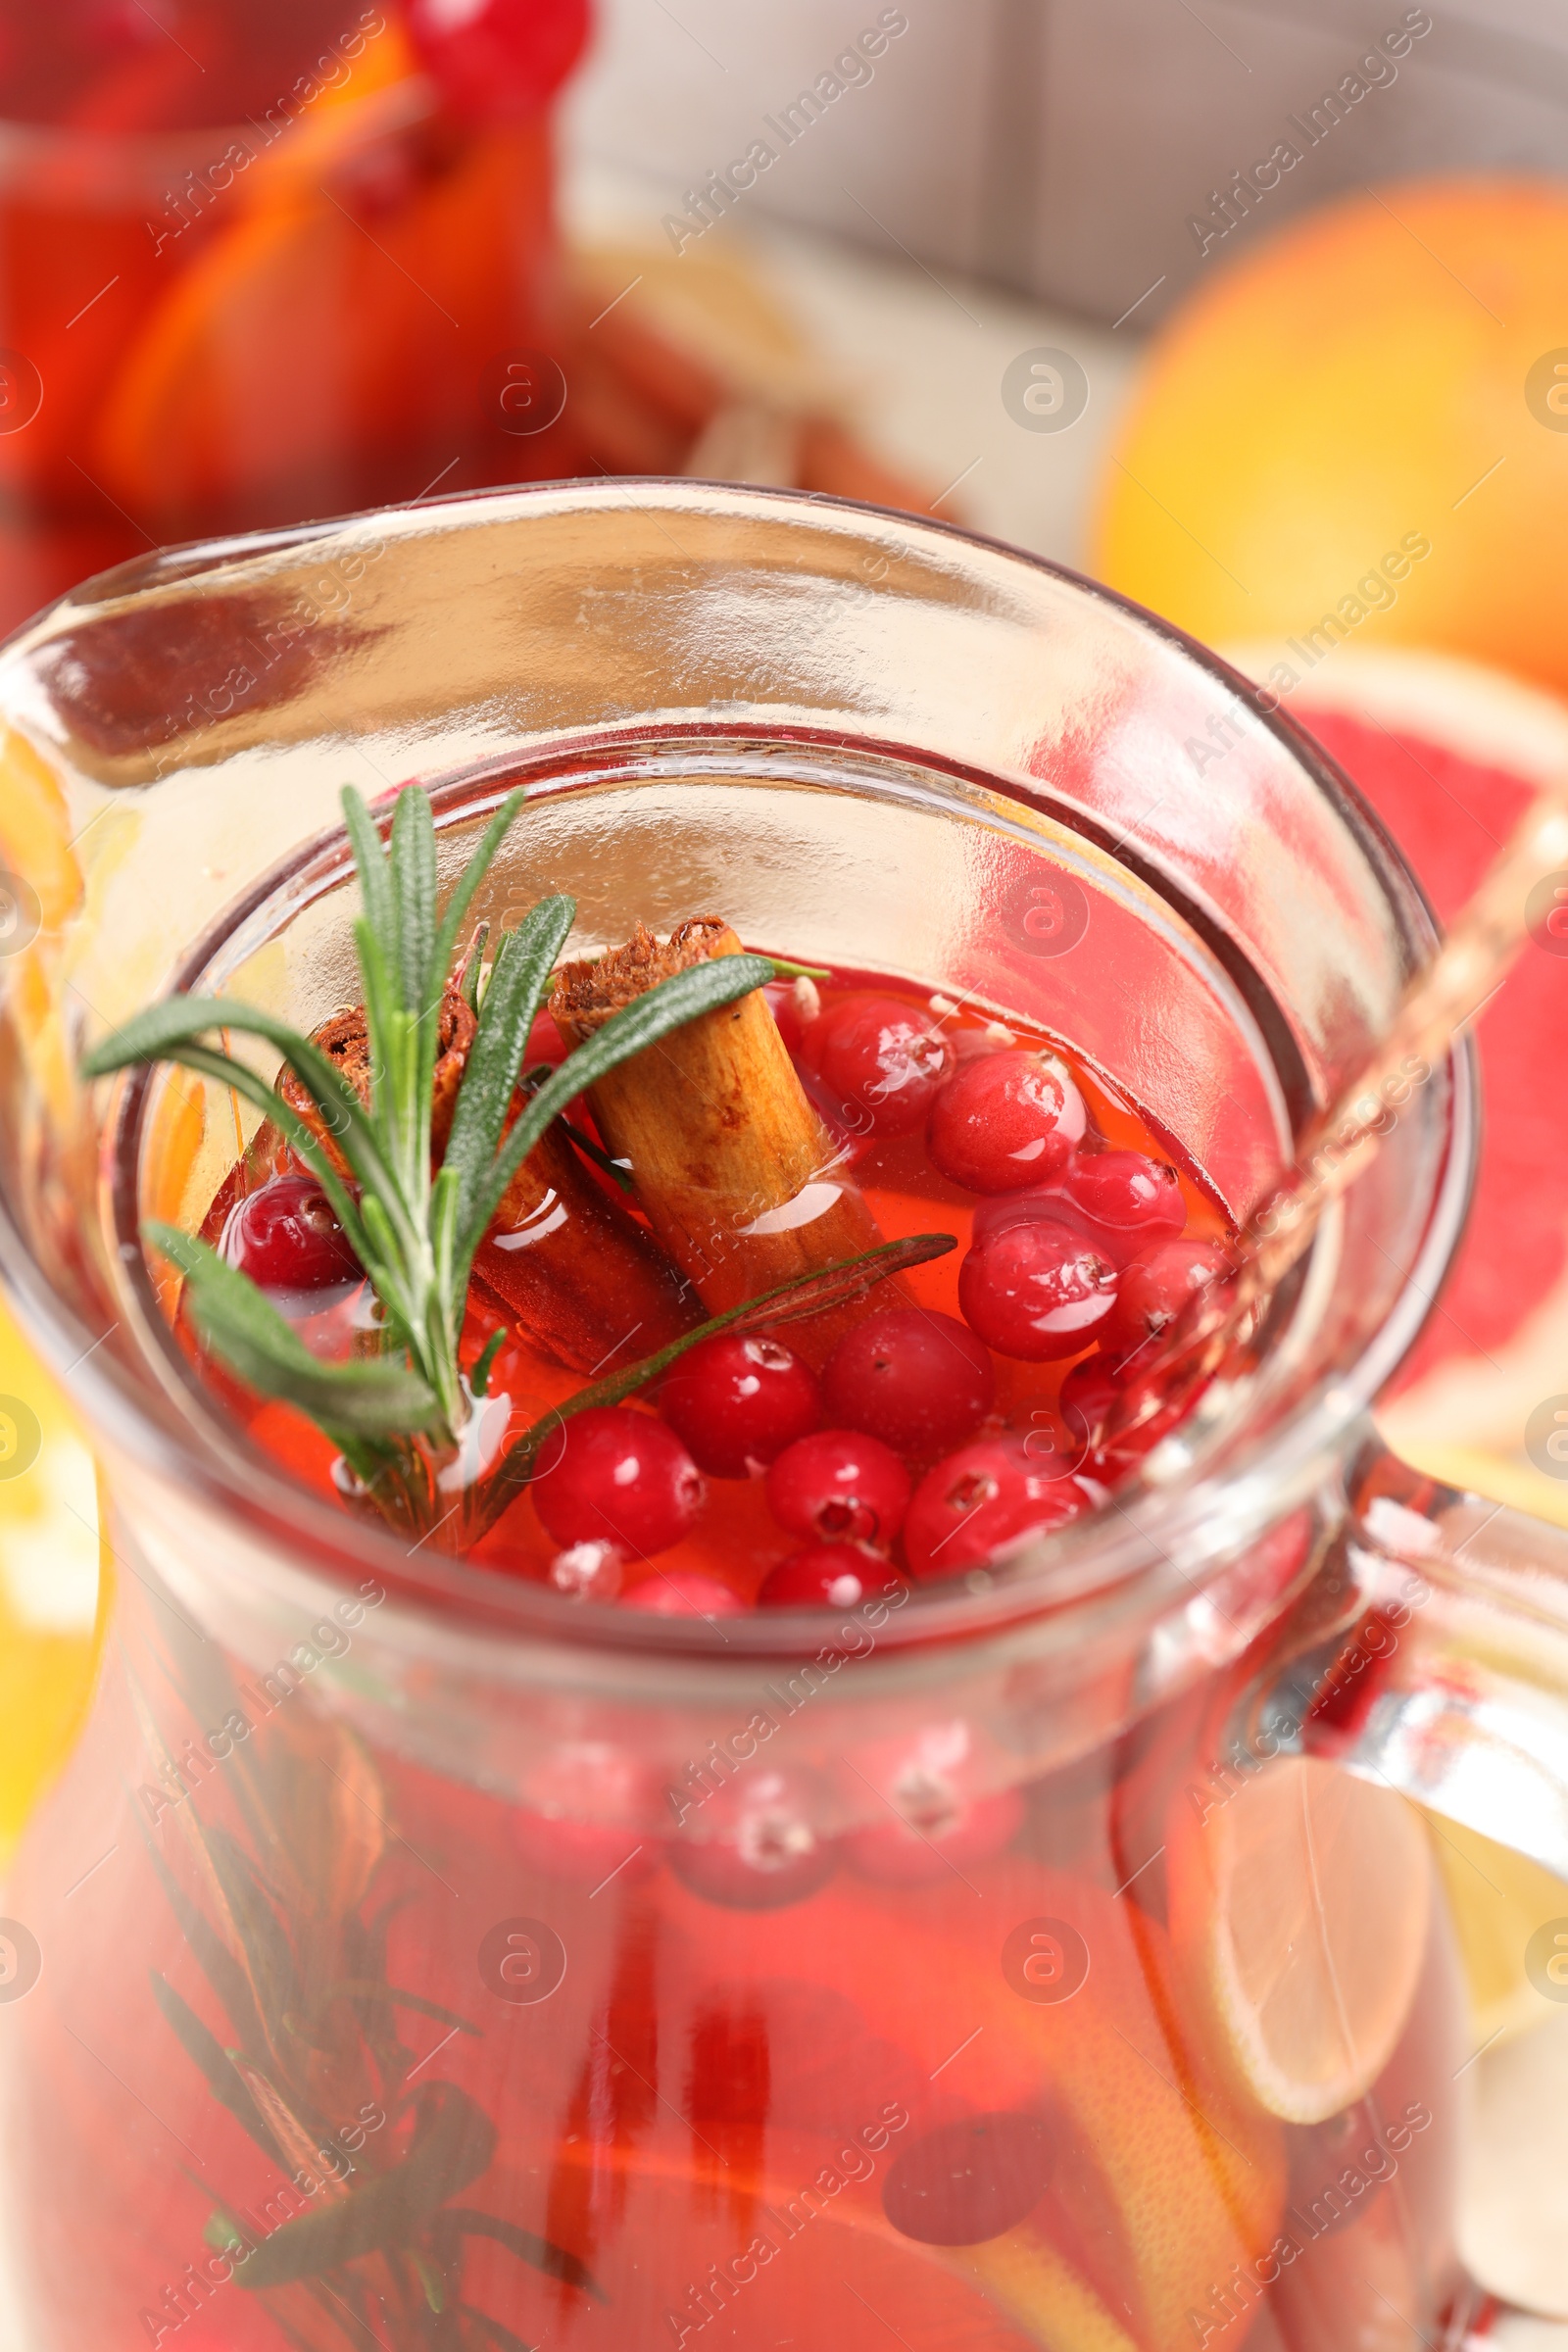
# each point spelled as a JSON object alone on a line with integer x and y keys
{"x": 471, "y": 973}
{"x": 704, "y": 987}
{"x": 155, "y": 1034}
{"x": 454, "y": 2141}
{"x": 375, "y": 1398}
{"x": 614, "y": 1170}
{"x": 430, "y": 2281}
{"x": 783, "y": 970}
{"x": 412, "y": 865}
{"x": 555, "y": 2261}
{"x": 519, "y": 979}
{"x": 479, "y": 1377}
{"x": 267, "y": 1957}
{"x": 380, "y": 1004}
{"x": 473, "y": 873}
{"x": 787, "y": 1303}
{"x": 369, "y": 858}
{"x": 207, "y": 2054}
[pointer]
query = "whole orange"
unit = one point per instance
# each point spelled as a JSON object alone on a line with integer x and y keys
{"x": 1388, "y": 372}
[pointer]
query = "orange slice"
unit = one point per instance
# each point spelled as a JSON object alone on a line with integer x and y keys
{"x": 314, "y": 327}
{"x": 688, "y": 2250}
{"x": 1299, "y": 1910}
{"x": 1170, "y": 2186}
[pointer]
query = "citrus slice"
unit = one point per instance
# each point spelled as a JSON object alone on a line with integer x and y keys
{"x": 1299, "y": 1910}
{"x": 787, "y": 2252}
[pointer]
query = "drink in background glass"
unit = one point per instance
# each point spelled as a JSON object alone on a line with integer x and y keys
{"x": 267, "y": 259}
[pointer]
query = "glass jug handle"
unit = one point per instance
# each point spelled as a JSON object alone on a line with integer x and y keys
{"x": 1451, "y": 1682}
{"x": 1441, "y": 1671}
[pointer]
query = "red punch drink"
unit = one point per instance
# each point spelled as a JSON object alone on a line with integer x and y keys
{"x": 264, "y": 261}
{"x": 675, "y": 1764}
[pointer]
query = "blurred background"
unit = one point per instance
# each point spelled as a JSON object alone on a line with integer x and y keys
{"x": 1257, "y": 310}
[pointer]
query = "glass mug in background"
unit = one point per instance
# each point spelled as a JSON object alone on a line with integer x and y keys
{"x": 261, "y": 258}
{"x": 411, "y": 1955}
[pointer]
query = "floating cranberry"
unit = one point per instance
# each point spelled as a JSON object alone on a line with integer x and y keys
{"x": 1005, "y": 1120}
{"x": 922, "y": 1848}
{"x": 738, "y": 1403}
{"x": 970, "y": 2180}
{"x": 828, "y": 1576}
{"x": 919, "y": 1381}
{"x": 760, "y": 1844}
{"x": 1037, "y": 1291}
{"x": 583, "y": 1814}
{"x": 981, "y": 1498}
{"x": 497, "y": 60}
{"x": 1090, "y": 1393}
{"x": 839, "y": 1486}
{"x": 684, "y": 1592}
{"x": 1128, "y": 1192}
{"x": 1059, "y": 1204}
{"x": 618, "y": 1477}
{"x": 1154, "y": 1289}
{"x": 1115, "y": 1458}
{"x": 591, "y": 1571}
{"x": 880, "y": 1061}
{"x": 286, "y": 1237}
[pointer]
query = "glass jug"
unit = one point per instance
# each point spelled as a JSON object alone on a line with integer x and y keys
{"x": 412, "y": 1956}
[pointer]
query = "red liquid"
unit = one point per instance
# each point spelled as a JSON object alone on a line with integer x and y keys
{"x": 736, "y": 1540}
{"x": 872, "y": 2042}
{"x": 738, "y": 2116}
{"x": 253, "y": 272}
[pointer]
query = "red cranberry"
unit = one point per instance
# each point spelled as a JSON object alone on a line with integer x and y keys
{"x": 981, "y": 1498}
{"x": 1037, "y": 1291}
{"x": 684, "y": 1594}
{"x": 1089, "y": 1395}
{"x": 1005, "y": 1120}
{"x": 582, "y": 1812}
{"x": 1115, "y": 1458}
{"x": 285, "y": 1237}
{"x": 1155, "y": 1289}
{"x": 618, "y": 1477}
{"x": 971, "y": 2180}
{"x": 1052, "y": 1204}
{"x": 1129, "y": 1193}
{"x": 920, "y": 1382}
{"x": 497, "y": 60}
{"x": 839, "y": 1486}
{"x": 757, "y": 1844}
{"x": 925, "y": 1846}
{"x": 880, "y": 1060}
{"x": 828, "y": 1576}
{"x": 737, "y": 1404}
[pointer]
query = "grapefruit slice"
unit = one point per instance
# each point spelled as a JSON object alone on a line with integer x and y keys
{"x": 1165, "y": 2183}
{"x": 789, "y": 2251}
{"x": 1300, "y": 1910}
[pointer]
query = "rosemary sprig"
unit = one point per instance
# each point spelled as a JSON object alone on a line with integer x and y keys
{"x": 415, "y": 1232}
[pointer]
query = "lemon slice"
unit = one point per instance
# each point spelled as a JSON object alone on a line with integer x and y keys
{"x": 1299, "y": 1910}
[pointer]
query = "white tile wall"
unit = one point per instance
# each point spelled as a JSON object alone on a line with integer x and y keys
{"x": 1060, "y": 145}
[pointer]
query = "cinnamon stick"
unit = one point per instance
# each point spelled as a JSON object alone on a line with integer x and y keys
{"x": 732, "y": 1164}
{"x": 577, "y": 1272}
